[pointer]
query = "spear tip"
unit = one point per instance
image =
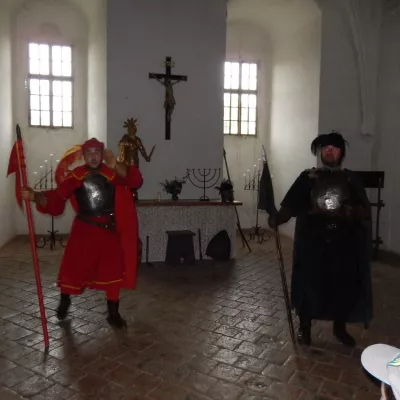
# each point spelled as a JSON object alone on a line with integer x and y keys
{"x": 18, "y": 130}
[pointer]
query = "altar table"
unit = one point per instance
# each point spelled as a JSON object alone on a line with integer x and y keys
{"x": 157, "y": 217}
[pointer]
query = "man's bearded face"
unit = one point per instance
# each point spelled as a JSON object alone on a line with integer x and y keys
{"x": 93, "y": 157}
{"x": 330, "y": 156}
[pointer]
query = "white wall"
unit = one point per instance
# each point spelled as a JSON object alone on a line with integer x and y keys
{"x": 249, "y": 43}
{"x": 140, "y": 35}
{"x": 340, "y": 107}
{"x": 54, "y": 23}
{"x": 96, "y": 15}
{"x": 286, "y": 37}
{"x": 387, "y": 154}
{"x": 295, "y": 103}
{"x": 7, "y": 137}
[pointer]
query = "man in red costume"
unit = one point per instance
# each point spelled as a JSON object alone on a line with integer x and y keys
{"x": 101, "y": 248}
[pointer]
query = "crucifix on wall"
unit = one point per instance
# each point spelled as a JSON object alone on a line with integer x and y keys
{"x": 168, "y": 81}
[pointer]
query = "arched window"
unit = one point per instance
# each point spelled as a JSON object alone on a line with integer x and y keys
{"x": 50, "y": 85}
{"x": 240, "y": 98}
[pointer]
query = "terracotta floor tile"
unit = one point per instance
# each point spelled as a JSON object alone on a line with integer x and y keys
{"x": 226, "y": 330}
{"x": 202, "y": 333}
{"x": 281, "y": 373}
{"x": 306, "y": 381}
{"x": 168, "y": 391}
{"x": 326, "y": 371}
{"x": 145, "y": 383}
{"x": 337, "y": 390}
{"x": 227, "y": 372}
{"x": 199, "y": 382}
{"x": 6, "y": 364}
{"x": 33, "y": 386}
{"x": 254, "y": 396}
{"x": 89, "y": 384}
{"x": 14, "y": 376}
{"x": 225, "y": 391}
{"x": 250, "y": 349}
{"x": 8, "y": 394}
{"x": 55, "y": 392}
{"x": 228, "y": 342}
{"x": 251, "y": 364}
{"x": 248, "y": 336}
{"x": 279, "y": 391}
{"x": 226, "y": 356}
{"x": 174, "y": 373}
{"x": 255, "y": 382}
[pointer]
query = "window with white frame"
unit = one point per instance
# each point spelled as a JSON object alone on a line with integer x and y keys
{"x": 50, "y": 86}
{"x": 240, "y": 98}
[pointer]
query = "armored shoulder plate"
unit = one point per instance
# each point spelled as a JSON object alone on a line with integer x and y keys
{"x": 95, "y": 197}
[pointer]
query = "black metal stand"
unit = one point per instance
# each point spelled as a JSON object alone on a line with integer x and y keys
{"x": 147, "y": 251}
{"x": 52, "y": 238}
{"x": 199, "y": 239}
{"x": 259, "y": 232}
{"x": 243, "y": 237}
{"x": 203, "y": 179}
{"x": 256, "y": 231}
{"x": 374, "y": 180}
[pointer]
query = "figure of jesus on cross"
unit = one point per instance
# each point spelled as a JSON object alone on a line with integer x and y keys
{"x": 169, "y": 102}
{"x": 168, "y": 81}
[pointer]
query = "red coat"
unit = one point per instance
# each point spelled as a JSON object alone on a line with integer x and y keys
{"x": 94, "y": 257}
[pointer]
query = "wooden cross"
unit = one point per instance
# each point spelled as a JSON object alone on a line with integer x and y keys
{"x": 168, "y": 80}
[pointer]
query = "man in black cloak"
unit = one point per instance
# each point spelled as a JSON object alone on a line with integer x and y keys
{"x": 331, "y": 276}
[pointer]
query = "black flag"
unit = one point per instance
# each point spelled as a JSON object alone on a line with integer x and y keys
{"x": 266, "y": 199}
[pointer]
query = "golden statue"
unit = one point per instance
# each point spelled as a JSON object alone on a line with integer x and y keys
{"x": 130, "y": 145}
{"x": 128, "y": 153}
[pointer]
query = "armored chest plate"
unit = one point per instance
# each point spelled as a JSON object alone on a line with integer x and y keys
{"x": 96, "y": 196}
{"x": 330, "y": 190}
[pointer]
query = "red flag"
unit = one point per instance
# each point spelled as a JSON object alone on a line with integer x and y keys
{"x": 14, "y": 166}
{"x": 17, "y": 165}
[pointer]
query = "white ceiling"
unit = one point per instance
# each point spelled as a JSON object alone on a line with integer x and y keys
{"x": 392, "y": 5}
{"x": 274, "y": 16}
{"x": 278, "y": 16}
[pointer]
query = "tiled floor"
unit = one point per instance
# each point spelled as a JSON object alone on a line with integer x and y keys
{"x": 195, "y": 333}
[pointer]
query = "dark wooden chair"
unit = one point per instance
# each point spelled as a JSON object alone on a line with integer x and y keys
{"x": 374, "y": 180}
{"x": 180, "y": 247}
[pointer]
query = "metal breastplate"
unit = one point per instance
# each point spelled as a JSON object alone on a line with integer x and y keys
{"x": 330, "y": 190}
{"x": 95, "y": 198}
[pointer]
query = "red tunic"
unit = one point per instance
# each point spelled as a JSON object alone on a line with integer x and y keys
{"x": 95, "y": 257}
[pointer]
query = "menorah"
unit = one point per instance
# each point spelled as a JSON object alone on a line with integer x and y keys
{"x": 204, "y": 179}
{"x": 46, "y": 182}
{"x": 253, "y": 183}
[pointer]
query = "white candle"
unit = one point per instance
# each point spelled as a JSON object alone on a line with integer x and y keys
{"x": 41, "y": 177}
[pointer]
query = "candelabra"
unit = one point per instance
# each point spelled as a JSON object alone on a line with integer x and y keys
{"x": 45, "y": 181}
{"x": 204, "y": 179}
{"x": 252, "y": 183}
